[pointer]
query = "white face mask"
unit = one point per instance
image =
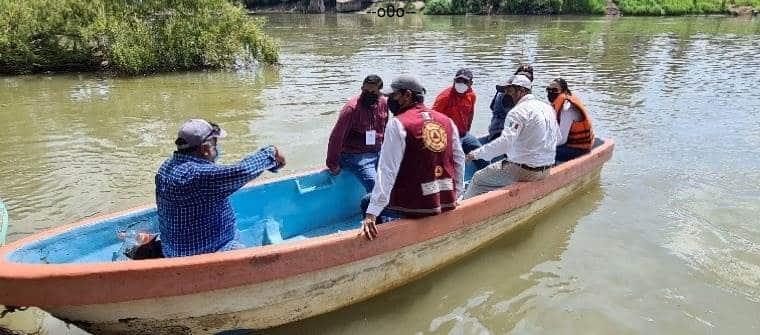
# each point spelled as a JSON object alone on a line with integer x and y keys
{"x": 460, "y": 88}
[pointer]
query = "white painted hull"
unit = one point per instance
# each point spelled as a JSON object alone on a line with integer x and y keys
{"x": 273, "y": 303}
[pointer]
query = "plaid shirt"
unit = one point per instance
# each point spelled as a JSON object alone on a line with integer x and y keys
{"x": 192, "y": 195}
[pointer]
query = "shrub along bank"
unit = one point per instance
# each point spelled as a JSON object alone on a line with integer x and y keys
{"x": 681, "y": 7}
{"x": 129, "y": 36}
{"x": 627, "y": 7}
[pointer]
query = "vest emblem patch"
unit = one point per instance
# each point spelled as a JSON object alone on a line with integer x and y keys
{"x": 434, "y": 136}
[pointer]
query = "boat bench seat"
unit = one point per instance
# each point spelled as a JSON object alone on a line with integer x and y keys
{"x": 268, "y": 231}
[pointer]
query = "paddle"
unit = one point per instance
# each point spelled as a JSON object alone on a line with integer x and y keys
{"x": 3, "y": 222}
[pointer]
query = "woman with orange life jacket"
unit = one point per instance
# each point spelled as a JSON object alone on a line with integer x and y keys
{"x": 576, "y": 131}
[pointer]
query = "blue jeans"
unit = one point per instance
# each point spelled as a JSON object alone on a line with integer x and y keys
{"x": 363, "y": 166}
{"x": 470, "y": 143}
{"x": 565, "y": 153}
{"x": 386, "y": 215}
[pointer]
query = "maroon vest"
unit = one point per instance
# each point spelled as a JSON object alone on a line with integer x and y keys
{"x": 425, "y": 184}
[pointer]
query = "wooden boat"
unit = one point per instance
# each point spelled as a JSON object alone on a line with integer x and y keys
{"x": 312, "y": 261}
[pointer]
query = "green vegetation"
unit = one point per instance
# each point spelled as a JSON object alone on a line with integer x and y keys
{"x": 442, "y": 7}
{"x": 128, "y": 36}
{"x": 681, "y": 7}
{"x": 542, "y": 7}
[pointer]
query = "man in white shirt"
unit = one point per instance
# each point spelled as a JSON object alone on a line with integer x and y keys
{"x": 421, "y": 167}
{"x": 529, "y": 140}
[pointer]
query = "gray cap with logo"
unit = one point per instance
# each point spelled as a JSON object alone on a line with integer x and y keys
{"x": 464, "y": 74}
{"x": 404, "y": 83}
{"x": 194, "y": 132}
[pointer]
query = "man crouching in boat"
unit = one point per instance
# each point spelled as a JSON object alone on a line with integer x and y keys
{"x": 357, "y": 136}
{"x": 192, "y": 191}
{"x": 529, "y": 140}
{"x": 421, "y": 168}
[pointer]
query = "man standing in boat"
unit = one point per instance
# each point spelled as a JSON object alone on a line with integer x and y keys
{"x": 529, "y": 140}
{"x": 421, "y": 168}
{"x": 357, "y": 136}
{"x": 192, "y": 191}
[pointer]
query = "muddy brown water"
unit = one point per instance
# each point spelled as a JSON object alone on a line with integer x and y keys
{"x": 667, "y": 242}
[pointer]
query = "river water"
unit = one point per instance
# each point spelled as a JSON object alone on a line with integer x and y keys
{"x": 667, "y": 242}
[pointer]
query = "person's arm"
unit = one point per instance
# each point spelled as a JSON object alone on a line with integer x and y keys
{"x": 391, "y": 153}
{"x": 568, "y": 115}
{"x": 220, "y": 181}
{"x": 471, "y": 113}
{"x": 512, "y": 128}
{"x": 459, "y": 160}
{"x": 441, "y": 101}
{"x": 498, "y": 117}
{"x": 337, "y": 137}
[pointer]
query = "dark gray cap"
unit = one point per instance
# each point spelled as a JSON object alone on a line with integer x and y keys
{"x": 194, "y": 132}
{"x": 405, "y": 83}
{"x": 464, "y": 73}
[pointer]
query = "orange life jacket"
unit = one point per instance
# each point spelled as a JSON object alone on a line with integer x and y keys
{"x": 581, "y": 134}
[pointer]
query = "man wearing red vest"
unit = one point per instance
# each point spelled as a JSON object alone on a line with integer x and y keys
{"x": 458, "y": 103}
{"x": 421, "y": 168}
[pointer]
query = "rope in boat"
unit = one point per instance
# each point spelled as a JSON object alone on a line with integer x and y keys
{"x": 3, "y": 222}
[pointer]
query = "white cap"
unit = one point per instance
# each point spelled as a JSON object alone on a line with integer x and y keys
{"x": 517, "y": 80}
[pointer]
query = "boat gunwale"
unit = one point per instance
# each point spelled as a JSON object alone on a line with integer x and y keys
{"x": 53, "y": 284}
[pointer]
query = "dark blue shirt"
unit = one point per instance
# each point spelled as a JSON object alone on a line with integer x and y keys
{"x": 498, "y": 117}
{"x": 192, "y": 195}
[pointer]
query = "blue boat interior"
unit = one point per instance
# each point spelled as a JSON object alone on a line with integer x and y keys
{"x": 282, "y": 211}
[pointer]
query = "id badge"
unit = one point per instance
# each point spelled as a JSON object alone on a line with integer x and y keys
{"x": 369, "y": 138}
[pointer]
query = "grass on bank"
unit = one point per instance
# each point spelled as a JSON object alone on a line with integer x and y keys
{"x": 681, "y": 7}
{"x": 128, "y": 36}
{"x": 444, "y": 7}
{"x": 542, "y": 7}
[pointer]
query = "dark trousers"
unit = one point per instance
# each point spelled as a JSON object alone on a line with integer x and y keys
{"x": 565, "y": 153}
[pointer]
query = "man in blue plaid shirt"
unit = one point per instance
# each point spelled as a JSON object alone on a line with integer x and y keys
{"x": 192, "y": 191}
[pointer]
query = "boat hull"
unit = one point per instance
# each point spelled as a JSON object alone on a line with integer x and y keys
{"x": 276, "y": 302}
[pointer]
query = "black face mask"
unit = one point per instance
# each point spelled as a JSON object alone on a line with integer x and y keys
{"x": 368, "y": 99}
{"x": 552, "y": 96}
{"x": 394, "y": 106}
{"x": 507, "y": 102}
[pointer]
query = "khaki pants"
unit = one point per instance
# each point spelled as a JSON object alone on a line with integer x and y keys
{"x": 498, "y": 175}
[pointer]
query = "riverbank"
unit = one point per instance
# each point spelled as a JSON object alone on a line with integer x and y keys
{"x": 129, "y": 37}
{"x": 526, "y": 7}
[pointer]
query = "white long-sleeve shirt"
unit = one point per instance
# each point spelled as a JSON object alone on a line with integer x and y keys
{"x": 529, "y": 137}
{"x": 569, "y": 115}
{"x": 391, "y": 154}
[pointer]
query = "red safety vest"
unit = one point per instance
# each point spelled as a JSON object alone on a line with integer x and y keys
{"x": 426, "y": 182}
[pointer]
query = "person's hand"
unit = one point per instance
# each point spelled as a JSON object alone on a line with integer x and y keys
{"x": 470, "y": 156}
{"x": 335, "y": 171}
{"x": 369, "y": 229}
{"x": 279, "y": 158}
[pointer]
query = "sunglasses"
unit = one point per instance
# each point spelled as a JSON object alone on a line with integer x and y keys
{"x": 551, "y": 90}
{"x": 215, "y": 131}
